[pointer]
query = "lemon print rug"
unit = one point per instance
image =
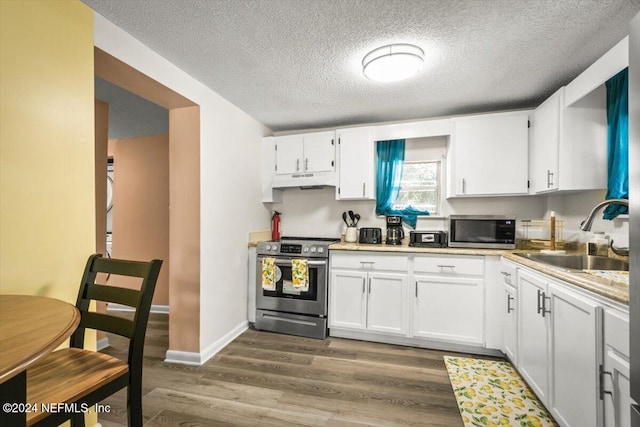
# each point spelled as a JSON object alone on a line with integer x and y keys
{"x": 492, "y": 393}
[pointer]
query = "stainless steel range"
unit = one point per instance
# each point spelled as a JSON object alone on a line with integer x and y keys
{"x": 282, "y": 305}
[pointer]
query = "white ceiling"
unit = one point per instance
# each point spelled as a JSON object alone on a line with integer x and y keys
{"x": 296, "y": 64}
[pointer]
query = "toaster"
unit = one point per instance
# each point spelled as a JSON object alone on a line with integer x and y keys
{"x": 370, "y": 235}
{"x": 428, "y": 239}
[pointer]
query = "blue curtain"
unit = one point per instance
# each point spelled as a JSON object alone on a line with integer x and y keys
{"x": 389, "y": 176}
{"x": 618, "y": 142}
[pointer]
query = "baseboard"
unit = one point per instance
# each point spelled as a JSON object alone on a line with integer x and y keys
{"x": 162, "y": 309}
{"x": 197, "y": 359}
{"x": 102, "y": 343}
{"x": 415, "y": 342}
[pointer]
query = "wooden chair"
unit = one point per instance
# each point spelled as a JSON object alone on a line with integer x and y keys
{"x": 83, "y": 377}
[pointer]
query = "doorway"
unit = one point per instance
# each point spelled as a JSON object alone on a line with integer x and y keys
{"x": 183, "y": 263}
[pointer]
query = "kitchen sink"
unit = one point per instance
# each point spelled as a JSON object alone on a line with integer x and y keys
{"x": 578, "y": 261}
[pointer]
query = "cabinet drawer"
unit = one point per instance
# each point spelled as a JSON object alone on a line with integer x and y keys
{"x": 459, "y": 264}
{"x": 368, "y": 261}
{"x": 616, "y": 331}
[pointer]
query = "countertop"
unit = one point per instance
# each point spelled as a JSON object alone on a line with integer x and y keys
{"x": 404, "y": 247}
{"x": 616, "y": 291}
{"x": 608, "y": 288}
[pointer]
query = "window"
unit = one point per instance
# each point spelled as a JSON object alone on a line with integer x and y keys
{"x": 420, "y": 186}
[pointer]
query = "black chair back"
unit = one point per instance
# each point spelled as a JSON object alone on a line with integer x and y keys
{"x": 139, "y": 300}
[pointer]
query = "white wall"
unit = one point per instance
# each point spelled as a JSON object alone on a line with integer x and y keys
{"x": 230, "y": 185}
{"x": 574, "y": 208}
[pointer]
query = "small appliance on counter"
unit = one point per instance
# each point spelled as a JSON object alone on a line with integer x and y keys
{"x": 370, "y": 235}
{"x": 482, "y": 231}
{"x": 395, "y": 232}
{"x": 428, "y": 239}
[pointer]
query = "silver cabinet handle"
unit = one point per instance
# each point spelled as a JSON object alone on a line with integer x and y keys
{"x": 602, "y": 373}
{"x": 364, "y": 185}
{"x": 297, "y": 165}
{"x": 544, "y": 304}
{"x": 540, "y": 294}
{"x": 549, "y": 178}
{"x": 509, "y": 299}
{"x": 306, "y": 164}
{"x": 362, "y": 263}
{"x": 464, "y": 186}
{"x": 363, "y": 284}
{"x": 505, "y": 274}
{"x": 416, "y": 289}
{"x": 446, "y": 266}
{"x": 369, "y": 284}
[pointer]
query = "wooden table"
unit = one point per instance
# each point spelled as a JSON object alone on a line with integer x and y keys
{"x": 30, "y": 328}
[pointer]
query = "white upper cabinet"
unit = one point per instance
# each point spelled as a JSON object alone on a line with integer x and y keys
{"x": 319, "y": 152}
{"x": 306, "y": 153}
{"x": 356, "y": 168}
{"x": 289, "y": 153}
{"x": 488, "y": 155}
{"x": 568, "y": 150}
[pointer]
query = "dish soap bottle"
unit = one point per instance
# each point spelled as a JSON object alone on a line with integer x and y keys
{"x": 598, "y": 244}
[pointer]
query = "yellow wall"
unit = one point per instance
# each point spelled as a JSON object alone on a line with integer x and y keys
{"x": 47, "y": 206}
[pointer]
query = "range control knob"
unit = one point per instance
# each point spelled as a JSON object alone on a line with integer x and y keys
{"x": 320, "y": 250}
{"x": 313, "y": 250}
{"x": 305, "y": 250}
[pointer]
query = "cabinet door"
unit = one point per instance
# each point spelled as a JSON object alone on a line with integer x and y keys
{"x": 574, "y": 323}
{"x": 356, "y": 164}
{"x": 491, "y": 154}
{"x": 617, "y": 399}
{"x": 387, "y": 298}
{"x": 347, "y": 299}
{"x": 545, "y": 142}
{"x": 289, "y": 154}
{"x": 532, "y": 333}
{"x": 319, "y": 152}
{"x": 510, "y": 322}
{"x": 449, "y": 309}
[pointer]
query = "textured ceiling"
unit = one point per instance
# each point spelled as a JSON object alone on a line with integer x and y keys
{"x": 296, "y": 64}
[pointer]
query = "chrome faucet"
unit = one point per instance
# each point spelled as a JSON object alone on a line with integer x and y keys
{"x": 588, "y": 222}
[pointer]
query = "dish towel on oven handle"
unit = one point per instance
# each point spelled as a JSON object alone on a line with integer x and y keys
{"x": 300, "y": 274}
{"x": 269, "y": 274}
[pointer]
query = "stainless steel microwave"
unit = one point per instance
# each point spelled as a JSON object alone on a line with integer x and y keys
{"x": 482, "y": 231}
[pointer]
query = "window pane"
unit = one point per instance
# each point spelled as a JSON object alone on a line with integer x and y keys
{"x": 420, "y": 186}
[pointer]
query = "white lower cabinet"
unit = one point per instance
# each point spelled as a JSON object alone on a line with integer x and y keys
{"x": 614, "y": 375}
{"x": 532, "y": 333}
{"x": 560, "y": 352}
{"x": 574, "y": 322}
{"x": 509, "y": 308}
{"x": 348, "y": 299}
{"x": 510, "y": 323}
{"x": 386, "y": 311}
{"x": 449, "y": 309}
{"x": 361, "y": 298}
{"x": 449, "y": 298}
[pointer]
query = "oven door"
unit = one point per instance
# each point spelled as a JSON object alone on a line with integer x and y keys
{"x": 286, "y": 297}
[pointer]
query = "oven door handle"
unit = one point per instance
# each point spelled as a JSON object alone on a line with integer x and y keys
{"x": 287, "y": 262}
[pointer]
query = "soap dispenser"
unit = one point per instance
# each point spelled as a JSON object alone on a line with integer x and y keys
{"x": 598, "y": 245}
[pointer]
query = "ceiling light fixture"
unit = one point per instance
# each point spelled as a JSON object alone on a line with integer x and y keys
{"x": 393, "y": 62}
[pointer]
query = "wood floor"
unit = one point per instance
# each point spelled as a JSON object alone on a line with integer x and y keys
{"x": 266, "y": 379}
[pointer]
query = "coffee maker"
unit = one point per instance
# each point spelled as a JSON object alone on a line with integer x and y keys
{"x": 395, "y": 232}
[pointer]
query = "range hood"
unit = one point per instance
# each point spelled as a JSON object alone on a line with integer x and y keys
{"x": 304, "y": 180}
